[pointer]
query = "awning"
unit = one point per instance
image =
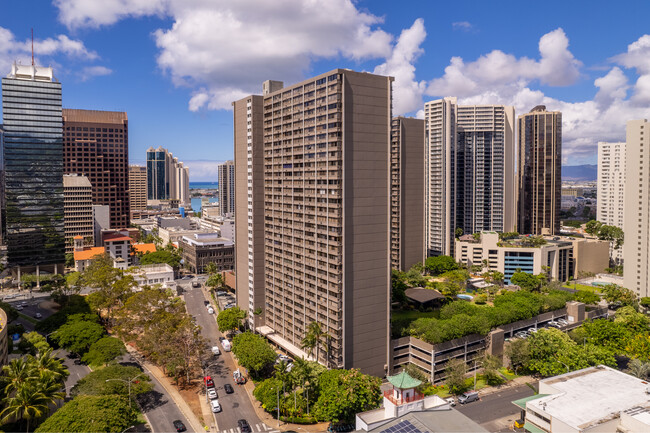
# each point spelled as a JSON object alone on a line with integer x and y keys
{"x": 532, "y": 428}
{"x": 522, "y": 401}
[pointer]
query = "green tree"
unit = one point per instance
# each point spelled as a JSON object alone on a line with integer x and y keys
{"x": 230, "y": 319}
{"x": 34, "y": 342}
{"x": 210, "y": 268}
{"x": 104, "y": 381}
{"x": 638, "y": 368}
{"x": 69, "y": 260}
{"x": 215, "y": 280}
{"x": 91, "y": 413}
{"x": 78, "y": 336}
{"x": 173, "y": 259}
{"x": 455, "y": 282}
{"x": 491, "y": 365}
{"x": 103, "y": 351}
{"x": 639, "y": 347}
{"x": 344, "y": 393}
{"x": 518, "y": 353}
{"x": 15, "y": 375}
{"x": 526, "y": 281}
{"x": 615, "y": 293}
{"x": 315, "y": 338}
{"x": 11, "y": 312}
{"x": 415, "y": 278}
{"x": 440, "y": 264}
{"x": 47, "y": 368}
{"x": 593, "y": 227}
{"x": 455, "y": 380}
{"x": 645, "y": 301}
{"x": 398, "y": 286}
{"x": 113, "y": 286}
{"x": 587, "y": 297}
{"x": 458, "y": 232}
{"x": 30, "y": 403}
{"x": 253, "y": 352}
{"x": 267, "y": 394}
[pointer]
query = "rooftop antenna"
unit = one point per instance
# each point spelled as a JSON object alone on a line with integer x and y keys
{"x": 32, "y": 46}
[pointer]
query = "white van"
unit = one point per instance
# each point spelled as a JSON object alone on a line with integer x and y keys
{"x": 226, "y": 345}
{"x": 215, "y": 350}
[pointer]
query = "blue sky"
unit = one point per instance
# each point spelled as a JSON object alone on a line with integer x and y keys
{"x": 175, "y": 65}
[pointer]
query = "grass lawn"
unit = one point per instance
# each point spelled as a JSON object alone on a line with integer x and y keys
{"x": 593, "y": 289}
{"x": 508, "y": 374}
{"x": 29, "y": 319}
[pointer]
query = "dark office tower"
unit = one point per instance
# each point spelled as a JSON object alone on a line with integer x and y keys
{"x": 96, "y": 145}
{"x": 407, "y": 192}
{"x": 158, "y": 162}
{"x": 32, "y": 212}
{"x": 540, "y": 171}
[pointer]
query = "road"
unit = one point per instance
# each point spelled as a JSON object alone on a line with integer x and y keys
{"x": 234, "y": 406}
{"x": 494, "y": 411}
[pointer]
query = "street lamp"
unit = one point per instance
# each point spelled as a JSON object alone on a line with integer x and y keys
{"x": 127, "y": 428}
{"x": 129, "y": 383}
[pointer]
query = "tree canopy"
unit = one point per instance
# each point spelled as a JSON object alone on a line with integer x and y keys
{"x": 95, "y": 383}
{"x": 440, "y": 264}
{"x": 104, "y": 350}
{"x": 78, "y": 335}
{"x": 171, "y": 258}
{"x": 253, "y": 352}
{"x": 344, "y": 393}
{"x": 230, "y": 319}
{"x": 527, "y": 281}
{"x": 606, "y": 232}
{"x": 91, "y": 413}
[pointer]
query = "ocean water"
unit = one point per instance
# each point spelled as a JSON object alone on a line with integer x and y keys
{"x": 204, "y": 185}
{"x": 196, "y": 203}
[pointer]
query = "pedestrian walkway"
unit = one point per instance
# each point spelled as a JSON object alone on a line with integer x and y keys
{"x": 522, "y": 380}
{"x": 255, "y": 428}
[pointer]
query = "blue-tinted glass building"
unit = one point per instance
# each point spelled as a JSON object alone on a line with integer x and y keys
{"x": 32, "y": 164}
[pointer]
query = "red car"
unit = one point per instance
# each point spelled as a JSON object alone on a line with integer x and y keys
{"x": 209, "y": 383}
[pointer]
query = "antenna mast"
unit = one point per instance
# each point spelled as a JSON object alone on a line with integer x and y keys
{"x": 32, "y": 46}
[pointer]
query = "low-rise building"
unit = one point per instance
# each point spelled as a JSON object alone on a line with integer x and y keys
{"x": 150, "y": 275}
{"x": 200, "y": 249}
{"x": 174, "y": 234}
{"x": 560, "y": 257}
{"x": 164, "y": 222}
{"x": 595, "y": 399}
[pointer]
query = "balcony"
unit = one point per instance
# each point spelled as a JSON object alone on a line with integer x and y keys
{"x": 390, "y": 395}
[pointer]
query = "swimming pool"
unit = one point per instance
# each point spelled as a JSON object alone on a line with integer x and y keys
{"x": 465, "y": 297}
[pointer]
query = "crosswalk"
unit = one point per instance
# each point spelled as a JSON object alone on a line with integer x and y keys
{"x": 256, "y": 428}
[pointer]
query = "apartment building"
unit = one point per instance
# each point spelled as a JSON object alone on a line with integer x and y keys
{"x": 406, "y": 192}
{"x": 226, "y": 172}
{"x": 96, "y": 145}
{"x": 611, "y": 189}
{"x": 137, "y": 188}
{"x": 326, "y": 144}
{"x": 77, "y": 210}
{"x": 636, "y": 219}
{"x": 469, "y": 174}
{"x": 540, "y": 171}
{"x": 199, "y": 249}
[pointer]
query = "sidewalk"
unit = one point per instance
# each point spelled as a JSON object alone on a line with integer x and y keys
{"x": 522, "y": 380}
{"x": 161, "y": 377}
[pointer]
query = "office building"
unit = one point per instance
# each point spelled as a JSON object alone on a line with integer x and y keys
{"x": 199, "y": 249}
{"x": 77, "y": 210}
{"x": 227, "y": 188}
{"x": 636, "y": 219}
{"x": 167, "y": 178}
{"x": 137, "y": 188}
{"x": 32, "y": 210}
{"x": 469, "y": 171}
{"x": 101, "y": 221}
{"x": 326, "y": 214}
{"x": 540, "y": 171}
{"x": 594, "y": 399}
{"x": 96, "y": 145}
{"x": 406, "y": 192}
{"x": 611, "y": 189}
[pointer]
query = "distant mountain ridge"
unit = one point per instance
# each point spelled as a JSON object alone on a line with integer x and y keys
{"x": 587, "y": 172}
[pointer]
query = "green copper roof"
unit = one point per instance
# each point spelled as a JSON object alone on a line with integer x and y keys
{"x": 402, "y": 380}
{"x": 522, "y": 401}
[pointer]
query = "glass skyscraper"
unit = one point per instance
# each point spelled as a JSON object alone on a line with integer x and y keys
{"x": 32, "y": 163}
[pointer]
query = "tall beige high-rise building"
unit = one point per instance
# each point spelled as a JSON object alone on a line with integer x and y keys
{"x": 470, "y": 171}
{"x": 611, "y": 189}
{"x": 636, "y": 219}
{"x": 326, "y": 147}
{"x": 137, "y": 187}
{"x": 540, "y": 171}
{"x": 226, "y": 172}
{"x": 167, "y": 177}
{"x": 77, "y": 210}
{"x": 407, "y": 192}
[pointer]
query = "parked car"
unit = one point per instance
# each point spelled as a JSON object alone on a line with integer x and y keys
{"x": 468, "y": 397}
{"x": 19, "y": 307}
{"x": 615, "y": 305}
{"x": 238, "y": 377}
{"x": 226, "y": 345}
{"x": 38, "y": 315}
{"x": 23, "y": 303}
{"x": 216, "y": 407}
{"x": 221, "y": 293}
{"x": 209, "y": 383}
{"x": 206, "y": 303}
{"x": 284, "y": 358}
{"x": 210, "y": 310}
{"x": 532, "y": 330}
{"x": 196, "y": 284}
{"x": 244, "y": 427}
{"x": 228, "y": 388}
{"x": 521, "y": 334}
{"x": 215, "y": 350}
{"x": 229, "y": 306}
{"x": 553, "y": 323}
{"x": 212, "y": 393}
{"x": 451, "y": 401}
{"x": 563, "y": 322}
{"x": 179, "y": 426}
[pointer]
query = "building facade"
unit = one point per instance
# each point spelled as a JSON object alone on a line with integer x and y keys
{"x": 407, "y": 192}
{"x": 96, "y": 145}
{"x": 77, "y": 210}
{"x": 326, "y": 215}
{"x": 167, "y": 178}
{"x": 470, "y": 169}
{"x": 227, "y": 188}
{"x": 137, "y": 188}
{"x": 611, "y": 189}
{"x": 200, "y": 249}
{"x": 636, "y": 219}
{"x": 32, "y": 210}
{"x": 540, "y": 171}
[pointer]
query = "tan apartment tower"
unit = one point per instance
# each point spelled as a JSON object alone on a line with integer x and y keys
{"x": 326, "y": 147}
{"x": 611, "y": 190}
{"x": 636, "y": 222}
{"x": 406, "y": 192}
{"x": 470, "y": 171}
{"x": 137, "y": 188}
{"x": 540, "y": 171}
{"x": 77, "y": 210}
{"x": 96, "y": 145}
{"x": 226, "y": 172}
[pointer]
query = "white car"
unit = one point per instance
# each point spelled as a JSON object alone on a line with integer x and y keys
{"x": 216, "y": 407}
{"x": 226, "y": 345}
{"x": 215, "y": 350}
{"x": 451, "y": 401}
{"x": 210, "y": 310}
{"x": 19, "y": 307}
{"x": 212, "y": 393}
{"x": 562, "y": 322}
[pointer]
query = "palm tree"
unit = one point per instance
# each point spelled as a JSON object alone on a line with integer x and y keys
{"x": 49, "y": 367}
{"x": 17, "y": 374}
{"x": 30, "y": 402}
{"x": 281, "y": 371}
{"x": 639, "y": 369}
{"x": 210, "y": 268}
{"x": 314, "y": 338}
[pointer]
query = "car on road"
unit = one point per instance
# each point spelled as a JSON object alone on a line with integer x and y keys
{"x": 215, "y": 350}
{"x": 179, "y": 426}
{"x": 196, "y": 284}
{"x": 226, "y": 345}
{"x": 216, "y": 407}
{"x": 206, "y": 303}
{"x": 38, "y": 315}
{"x": 209, "y": 383}
{"x": 563, "y": 322}
{"x": 186, "y": 277}
{"x": 228, "y": 388}
{"x": 212, "y": 393}
{"x": 221, "y": 293}
{"x": 19, "y": 307}
{"x": 451, "y": 401}
{"x": 468, "y": 397}
{"x": 210, "y": 310}
{"x": 244, "y": 427}
{"x": 238, "y": 377}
